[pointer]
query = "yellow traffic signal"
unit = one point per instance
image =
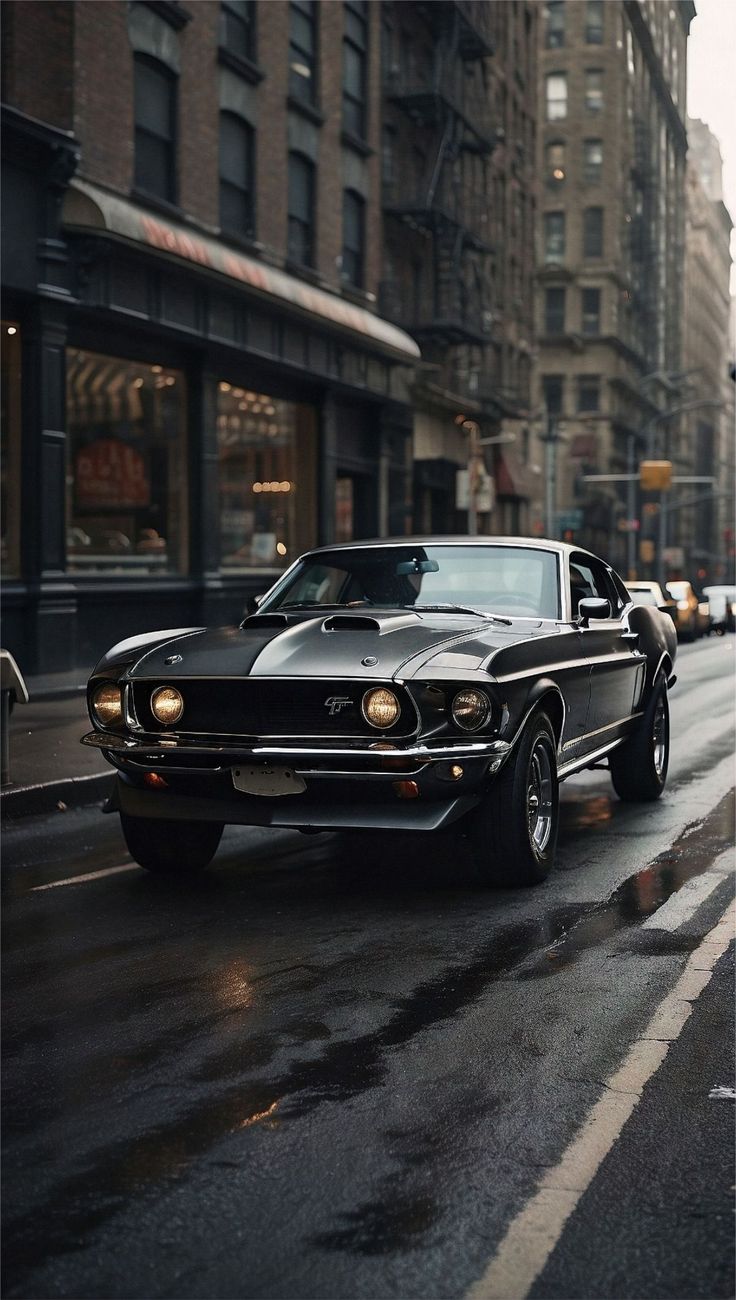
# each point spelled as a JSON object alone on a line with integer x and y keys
{"x": 655, "y": 475}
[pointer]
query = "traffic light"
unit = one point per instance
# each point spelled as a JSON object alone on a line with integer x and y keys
{"x": 655, "y": 475}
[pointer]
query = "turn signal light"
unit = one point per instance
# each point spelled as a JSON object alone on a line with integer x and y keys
{"x": 406, "y": 789}
{"x": 155, "y": 781}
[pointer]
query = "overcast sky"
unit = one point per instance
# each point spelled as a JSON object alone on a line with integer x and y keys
{"x": 711, "y": 82}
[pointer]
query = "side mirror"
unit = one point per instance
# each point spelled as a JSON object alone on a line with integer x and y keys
{"x": 593, "y": 607}
{"x": 252, "y": 603}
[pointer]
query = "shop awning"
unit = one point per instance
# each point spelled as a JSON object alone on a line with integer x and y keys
{"x": 87, "y": 207}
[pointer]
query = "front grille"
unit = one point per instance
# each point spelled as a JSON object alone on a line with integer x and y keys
{"x": 260, "y": 707}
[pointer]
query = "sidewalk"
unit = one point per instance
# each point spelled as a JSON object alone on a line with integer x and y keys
{"x": 49, "y": 769}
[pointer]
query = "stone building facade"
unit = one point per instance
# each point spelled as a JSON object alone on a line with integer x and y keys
{"x": 611, "y": 161}
{"x": 702, "y": 531}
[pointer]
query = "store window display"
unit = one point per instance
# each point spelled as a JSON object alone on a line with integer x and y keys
{"x": 126, "y": 466}
{"x": 266, "y": 478}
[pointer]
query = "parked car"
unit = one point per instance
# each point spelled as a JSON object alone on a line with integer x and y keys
{"x": 399, "y": 685}
{"x": 689, "y": 620}
{"x": 722, "y": 608}
{"x": 644, "y": 592}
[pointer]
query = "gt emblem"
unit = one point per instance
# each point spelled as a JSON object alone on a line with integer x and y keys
{"x": 336, "y": 703}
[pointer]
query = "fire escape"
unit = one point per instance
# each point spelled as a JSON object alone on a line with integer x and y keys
{"x": 441, "y": 213}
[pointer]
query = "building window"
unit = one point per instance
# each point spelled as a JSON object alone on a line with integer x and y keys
{"x": 552, "y": 386}
{"x": 555, "y": 24}
{"x": 353, "y": 238}
{"x": 301, "y": 209}
{"x": 555, "y": 162}
{"x": 10, "y": 437}
{"x": 594, "y": 90}
{"x": 589, "y": 392}
{"x": 554, "y": 236}
{"x": 592, "y": 161}
{"x": 354, "y": 64}
{"x": 593, "y": 232}
{"x": 556, "y": 96}
{"x": 127, "y": 458}
{"x": 591, "y": 311}
{"x": 303, "y": 50}
{"x": 155, "y": 128}
{"x": 594, "y": 22}
{"x": 266, "y": 478}
{"x": 554, "y": 311}
{"x": 238, "y": 28}
{"x": 236, "y": 175}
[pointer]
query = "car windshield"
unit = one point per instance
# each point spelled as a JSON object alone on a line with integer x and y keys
{"x": 513, "y": 580}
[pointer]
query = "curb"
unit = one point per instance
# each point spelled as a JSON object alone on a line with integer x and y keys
{"x": 55, "y": 796}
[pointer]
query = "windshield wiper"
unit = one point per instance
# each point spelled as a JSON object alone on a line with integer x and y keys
{"x": 458, "y": 609}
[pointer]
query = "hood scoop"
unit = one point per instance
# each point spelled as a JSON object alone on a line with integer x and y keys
{"x": 265, "y": 620}
{"x": 351, "y": 623}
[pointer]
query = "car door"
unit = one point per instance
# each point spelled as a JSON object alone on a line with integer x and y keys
{"x": 611, "y": 648}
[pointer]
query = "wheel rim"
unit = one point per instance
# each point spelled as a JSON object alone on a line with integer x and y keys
{"x": 539, "y": 798}
{"x": 659, "y": 737}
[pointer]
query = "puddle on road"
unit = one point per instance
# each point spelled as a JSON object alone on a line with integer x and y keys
{"x": 524, "y": 950}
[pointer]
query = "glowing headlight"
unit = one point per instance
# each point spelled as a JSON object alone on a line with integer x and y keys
{"x": 380, "y": 707}
{"x": 167, "y": 705}
{"x": 470, "y": 709}
{"x": 107, "y": 704}
{"x": 683, "y": 604}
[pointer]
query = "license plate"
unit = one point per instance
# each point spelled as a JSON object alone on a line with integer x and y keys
{"x": 269, "y": 781}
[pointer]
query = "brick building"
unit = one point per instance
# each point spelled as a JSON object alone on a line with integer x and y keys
{"x": 457, "y": 156}
{"x": 196, "y": 382}
{"x": 610, "y": 287}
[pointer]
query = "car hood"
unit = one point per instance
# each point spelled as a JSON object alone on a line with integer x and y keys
{"x": 333, "y": 645}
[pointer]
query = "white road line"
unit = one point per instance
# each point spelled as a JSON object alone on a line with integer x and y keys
{"x": 535, "y": 1231}
{"x": 680, "y": 907}
{"x": 90, "y": 875}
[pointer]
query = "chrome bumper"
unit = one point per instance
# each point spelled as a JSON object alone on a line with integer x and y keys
{"x": 222, "y": 755}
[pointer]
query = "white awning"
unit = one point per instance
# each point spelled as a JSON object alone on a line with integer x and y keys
{"x": 87, "y": 207}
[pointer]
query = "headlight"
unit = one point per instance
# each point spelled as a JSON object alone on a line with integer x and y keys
{"x": 107, "y": 704}
{"x": 683, "y": 604}
{"x": 380, "y": 707}
{"x": 167, "y": 705}
{"x": 470, "y": 709}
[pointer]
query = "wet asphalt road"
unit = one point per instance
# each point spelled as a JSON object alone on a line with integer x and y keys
{"x": 323, "y": 1072}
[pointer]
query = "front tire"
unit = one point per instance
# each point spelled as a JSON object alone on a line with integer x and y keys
{"x": 514, "y": 833}
{"x": 639, "y": 766}
{"x": 170, "y": 847}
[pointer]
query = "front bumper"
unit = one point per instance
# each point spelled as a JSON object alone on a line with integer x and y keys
{"x": 350, "y": 786}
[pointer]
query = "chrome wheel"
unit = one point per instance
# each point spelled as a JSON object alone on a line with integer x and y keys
{"x": 539, "y": 797}
{"x": 659, "y": 737}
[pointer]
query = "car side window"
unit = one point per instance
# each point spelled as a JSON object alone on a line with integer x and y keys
{"x": 588, "y": 577}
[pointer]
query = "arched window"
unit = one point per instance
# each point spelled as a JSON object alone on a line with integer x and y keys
{"x": 155, "y": 128}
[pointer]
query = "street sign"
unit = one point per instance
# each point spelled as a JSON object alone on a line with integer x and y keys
{"x": 628, "y": 525}
{"x": 655, "y": 475}
{"x": 569, "y": 520}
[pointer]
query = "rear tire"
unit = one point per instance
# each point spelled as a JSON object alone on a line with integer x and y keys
{"x": 513, "y": 835}
{"x": 639, "y": 766}
{"x": 170, "y": 847}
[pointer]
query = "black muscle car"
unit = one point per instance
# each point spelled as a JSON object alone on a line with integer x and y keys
{"x": 396, "y": 685}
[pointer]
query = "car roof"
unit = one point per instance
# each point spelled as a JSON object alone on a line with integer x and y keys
{"x": 529, "y": 543}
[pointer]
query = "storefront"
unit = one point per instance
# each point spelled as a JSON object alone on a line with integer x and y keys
{"x": 180, "y": 421}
